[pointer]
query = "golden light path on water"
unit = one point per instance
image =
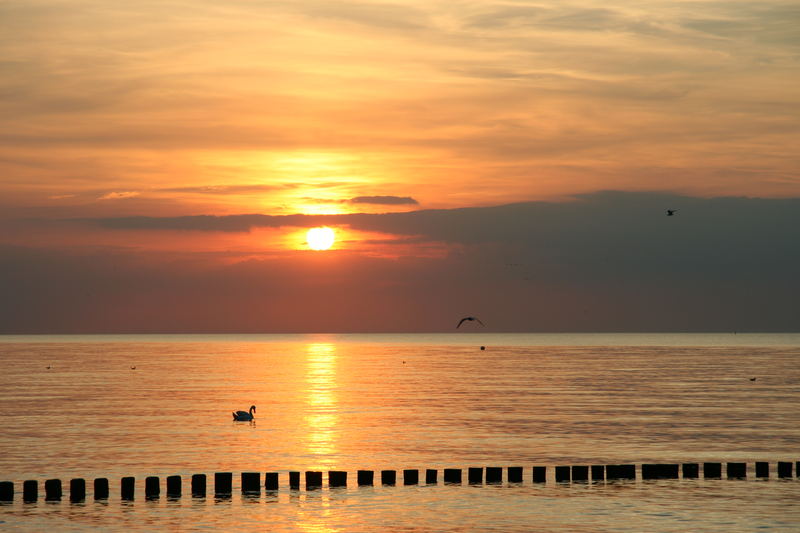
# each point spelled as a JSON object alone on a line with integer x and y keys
{"x": 322, "y": 402}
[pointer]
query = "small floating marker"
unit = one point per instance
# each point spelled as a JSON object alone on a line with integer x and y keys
{"x": 313, "y": 480}
{"x": 762, "y": 469}
{"x": 337, "y": 478}
{"x": 452, "y": 475}
{"x": 411, "y": 477}
{"x": 294, "y": 480}
{"x": 6, "y": 491}
{"x": 431, "y": 476}
{"x": 152, "y": 487}
{"x": 223, "y": 483}
{"x": 173, "y": 486}
{"x": 712, "y": 470}
{"x": 784, "y": 469}
{"x": 77, "y": 490}
{"x": 539, "y": 474}
{"x": 598, "y": 472}
{"x": 199, "y": 485}
{"x": 737, "y": 470}
{"x": 251, "y": 482}
{"x": 271, "y": 481}
{"x": 388, "y": 477}
{"x": 494, "y": 474}
{"x": 562, "y": 474}
{"x": 580, "y": 473}
{"x": 475, "y": 475}
{"x": 30, "y": 490}
{"x": 514, "y": 474}
{"x": 690, "y": 470}
{"x": 52, "y": 489}
{"x": 365, "y": 477}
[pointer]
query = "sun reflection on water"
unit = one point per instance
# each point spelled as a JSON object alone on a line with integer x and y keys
{"x": 322, "y": 403}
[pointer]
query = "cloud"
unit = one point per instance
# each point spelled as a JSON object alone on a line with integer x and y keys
{"x": 119, "y": 195}
{"x": 475, "y": 88}
{"x": 601, "y": 262}
{"x": 384, "y": 200}
{"x": 229, "y": 189}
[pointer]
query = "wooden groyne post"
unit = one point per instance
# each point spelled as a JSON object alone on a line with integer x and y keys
{"x": 101, "y": 488}
{"x": 251, "y": 481}
{"x": 199, "y": 485}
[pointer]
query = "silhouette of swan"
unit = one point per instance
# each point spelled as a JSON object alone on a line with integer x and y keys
{"x": 671, "y": 212}
{"x": 245, "y": 416}
{"x": 469, "y": 318}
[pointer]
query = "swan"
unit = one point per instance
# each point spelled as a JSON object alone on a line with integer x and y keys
{"x": 244, "y": 416}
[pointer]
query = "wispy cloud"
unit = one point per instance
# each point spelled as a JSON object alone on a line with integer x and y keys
{"x": 119, "y": 195}
{"x": 473, "y": 88}
{"x": 384, "y": 200}
{"x": 229, "y": 189}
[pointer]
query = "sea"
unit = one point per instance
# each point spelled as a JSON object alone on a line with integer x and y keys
{"x": 111, "y": 406}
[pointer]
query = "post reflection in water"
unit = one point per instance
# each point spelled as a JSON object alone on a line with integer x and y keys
{"x": 322, "y": 404}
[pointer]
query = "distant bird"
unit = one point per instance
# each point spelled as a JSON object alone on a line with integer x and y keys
{"x": 753, "y": 379}
{"x": 671, "y": 212}
{"x": 469, "y": 318}
{"x": 483, "y": 347}
{"x": 48, "y": 367}
{"x": 133, "y": 368}
{"x": 245, "y": 416}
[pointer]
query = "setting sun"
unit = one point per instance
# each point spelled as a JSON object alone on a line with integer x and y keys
{"x": 320, "y": 238}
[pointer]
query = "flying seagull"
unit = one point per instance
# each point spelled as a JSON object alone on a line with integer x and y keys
{"x": 470, "y": 318}
{"x": 671, "y": 212}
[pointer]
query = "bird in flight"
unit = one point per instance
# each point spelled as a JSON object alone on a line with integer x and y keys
{"x": 671, "y": 212}
{"x": 470, "y": 319}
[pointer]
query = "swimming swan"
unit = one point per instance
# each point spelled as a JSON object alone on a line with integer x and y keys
{"x": 244, "y": 416}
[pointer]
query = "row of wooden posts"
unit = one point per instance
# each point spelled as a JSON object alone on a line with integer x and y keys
{"x": 251, "y": 481}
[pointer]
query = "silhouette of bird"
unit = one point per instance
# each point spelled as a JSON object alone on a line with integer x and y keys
{"x": 671, "y": 212}
{"x": 48, "y": 367}
{"x": 469, "y": 318}
{"x": 753, "y": 379}
{"x": 133, "y": 368}
{"x": 244, "y": 416}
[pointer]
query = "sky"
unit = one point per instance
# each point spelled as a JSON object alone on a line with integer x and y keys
{"x": 161, "y": 162}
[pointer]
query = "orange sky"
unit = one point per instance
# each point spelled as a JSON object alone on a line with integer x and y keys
{"x": 185, "y": 108}
{"x": 280, "y": 107}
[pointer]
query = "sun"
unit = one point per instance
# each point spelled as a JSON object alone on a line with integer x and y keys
{"x": 320, "y": 238}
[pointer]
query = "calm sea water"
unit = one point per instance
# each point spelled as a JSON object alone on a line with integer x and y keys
{"x": 349, "y": 402}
